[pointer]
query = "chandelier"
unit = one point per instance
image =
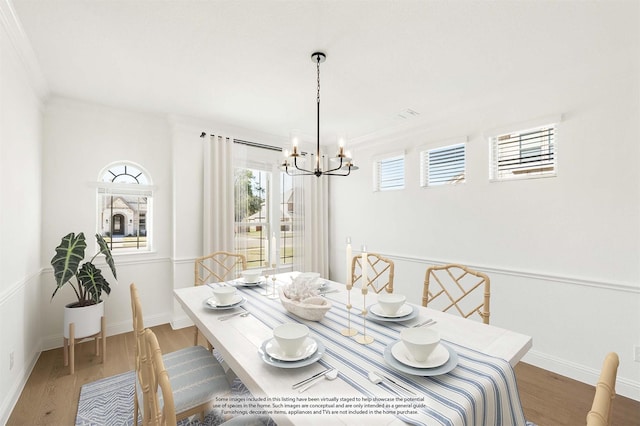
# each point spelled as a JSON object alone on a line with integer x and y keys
{"x": 340, "y": 165}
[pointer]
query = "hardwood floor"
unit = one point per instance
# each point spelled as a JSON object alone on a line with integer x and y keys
{"x": 551, "y": 399}
{"x": 50, "y": 396}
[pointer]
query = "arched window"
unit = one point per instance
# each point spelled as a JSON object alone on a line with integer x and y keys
{"x": 124, "y": 207}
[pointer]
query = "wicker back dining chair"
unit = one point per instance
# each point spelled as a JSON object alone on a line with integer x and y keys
{"x": 219, "y": 266}
{"x": 600, "y": 413}
{"x": 157, "y": 378}
{"x": 216, "y": 267}
{"x": 154, "y": 376}
{"x": 201, "y": 376}
{"x": 458, "y": 288}
{"x": 379, "y": 272}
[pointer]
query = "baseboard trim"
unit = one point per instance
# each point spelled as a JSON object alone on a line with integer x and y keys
{"x": 182, "y": 321}
{"x": 12, "y": 396}
{"x": 55, "y": 341}
{"x": 625, "y": 387}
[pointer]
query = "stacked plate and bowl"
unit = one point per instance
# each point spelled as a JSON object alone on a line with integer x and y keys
{"x": 419, "y": 351}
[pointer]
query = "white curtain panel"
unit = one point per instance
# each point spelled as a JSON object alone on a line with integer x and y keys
{"x": 218, "y": 220}
{"x": 311, "y": 244}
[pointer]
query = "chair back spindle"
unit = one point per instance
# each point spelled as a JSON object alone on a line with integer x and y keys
{"x": 600, "y": 413}
{"x": 457, "y": 288}
{"x": 380, "y": 272}
{"x": 217, "y": 267}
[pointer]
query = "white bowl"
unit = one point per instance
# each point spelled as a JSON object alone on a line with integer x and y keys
{"x": 290, "y": 336}
{"x": 224, "y": 295}
{"x": 252, "y": 275}
{"x": 420, "y": 341}
{"x": 391, "y": 302}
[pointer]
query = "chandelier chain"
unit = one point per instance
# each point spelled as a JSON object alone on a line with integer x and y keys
{"x": 318, "y": 71}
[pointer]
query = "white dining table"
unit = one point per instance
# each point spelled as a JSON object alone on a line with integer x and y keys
{"x": 480, "y": 389}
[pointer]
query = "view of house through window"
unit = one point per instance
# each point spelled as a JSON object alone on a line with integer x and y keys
{"x": 524, "y": 154}
{"x": 124, "y": 207}
{"x": 256, "y": 220}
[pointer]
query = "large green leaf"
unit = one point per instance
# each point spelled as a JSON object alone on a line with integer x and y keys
{"x": 92, "y": 280}
{"x": 104, "y": 249}
{"x": 68, "y": 256}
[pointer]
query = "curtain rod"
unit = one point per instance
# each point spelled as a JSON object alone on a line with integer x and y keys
{"x": 249, "y": 143}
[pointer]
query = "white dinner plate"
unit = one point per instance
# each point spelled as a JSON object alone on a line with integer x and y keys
{"x": 425, "y": 372}
{"x": 291, "y": 364}
{"x": 211, "y": 303}
{"x": 309, "y": 346}
{"x": 377, "y": 318}
{"x": 244, "y": 283}
{"x": 403, "y": 311}
{"x": 438, "y": 357}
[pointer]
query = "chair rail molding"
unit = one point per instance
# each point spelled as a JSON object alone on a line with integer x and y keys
{"x": 608, "y": 285}
{"x": 17, "y": 287}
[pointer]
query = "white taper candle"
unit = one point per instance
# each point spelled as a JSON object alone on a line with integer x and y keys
{"x": 364, "y": 262}
{"x": 349, "y": 261}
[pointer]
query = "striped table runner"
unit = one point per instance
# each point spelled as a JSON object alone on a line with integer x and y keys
{"x": 481, "y": 390}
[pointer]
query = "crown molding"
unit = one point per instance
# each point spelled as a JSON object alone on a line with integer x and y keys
{"x": 23, "y": 49}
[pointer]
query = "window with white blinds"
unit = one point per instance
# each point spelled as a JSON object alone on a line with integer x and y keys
{"x": 389, "y": 173}
{"x": 443, "y": 165}
{"x": 524, "y": 154}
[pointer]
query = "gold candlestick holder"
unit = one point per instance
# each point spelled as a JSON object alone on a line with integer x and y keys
{"x": 273, "y": 294}
{"x": 349, "y": 331}
{"x": 266, "y": 291}
{"x": 364, "y": 339}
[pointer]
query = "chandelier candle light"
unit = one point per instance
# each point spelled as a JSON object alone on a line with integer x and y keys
{"x": 342, "y": 163}
{"x": 364, "y": 339}
{"x": 349, "y": 331}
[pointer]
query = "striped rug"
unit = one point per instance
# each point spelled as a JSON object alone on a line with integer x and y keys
{"x": 109, "y": 401}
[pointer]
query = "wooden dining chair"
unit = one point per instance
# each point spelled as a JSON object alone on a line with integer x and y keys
{"x": 155, "y": 378}
{"x": 458, "y": 288}
{"x": 216, "y": 267}
{"x": 379, "y": 272}
{"x": 600, "y": 413}
{"x": 199, "y": 376}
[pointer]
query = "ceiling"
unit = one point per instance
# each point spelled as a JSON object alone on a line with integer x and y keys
{"x": 248, "y": 63}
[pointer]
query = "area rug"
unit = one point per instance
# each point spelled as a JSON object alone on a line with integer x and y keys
{"x": 109, "y": 401}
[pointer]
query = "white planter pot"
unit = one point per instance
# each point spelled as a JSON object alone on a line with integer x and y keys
{"x": 86, "y": 319}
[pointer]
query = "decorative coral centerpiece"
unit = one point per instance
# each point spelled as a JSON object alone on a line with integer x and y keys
{"x": 302, "y": 298}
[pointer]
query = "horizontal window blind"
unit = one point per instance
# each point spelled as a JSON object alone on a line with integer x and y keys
{"x": 524, "y": 154}
{"x": 389, "y": 173}
{"x": 444, "y": 165}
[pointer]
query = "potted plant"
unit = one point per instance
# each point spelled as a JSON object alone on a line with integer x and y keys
{"x": 87, "y": 311}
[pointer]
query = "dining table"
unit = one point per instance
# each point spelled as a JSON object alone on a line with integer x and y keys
{"x": 476, "y": 384}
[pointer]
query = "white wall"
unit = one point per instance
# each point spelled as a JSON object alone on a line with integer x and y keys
{"x": 80, "y": 140}
{"x": 562, "y": 252}
{"x": 20, "y": 175}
